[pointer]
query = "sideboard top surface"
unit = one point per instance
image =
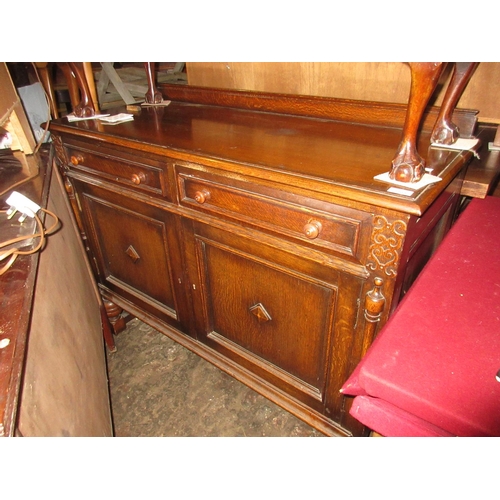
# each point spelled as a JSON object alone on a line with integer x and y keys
{"x": 328, "y": 156}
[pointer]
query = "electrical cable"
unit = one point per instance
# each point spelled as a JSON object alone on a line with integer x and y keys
{"x": 19, "y": 183}
{"x": 42, "y": 234}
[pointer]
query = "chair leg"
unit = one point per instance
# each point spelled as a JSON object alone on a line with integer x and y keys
{"x": 407, "y": 165}
{"x": 43, "y": 70}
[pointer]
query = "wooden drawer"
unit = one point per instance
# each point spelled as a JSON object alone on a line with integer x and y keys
{"x": 123, "y": 170}
{"x": 332, "y": 227}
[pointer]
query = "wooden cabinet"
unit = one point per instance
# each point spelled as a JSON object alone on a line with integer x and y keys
{"x": 135, "y": 249}
{"x": 260, "y": 241}
{"x": 273, "y": 312}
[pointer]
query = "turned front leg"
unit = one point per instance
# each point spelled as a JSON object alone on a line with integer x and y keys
{"x": 153, "y": 95}
{"x": 407, "y": 165}
{"x": 43, "y": 70}
{"x": 445, "y": 131}
{"x": 115, "y": 316}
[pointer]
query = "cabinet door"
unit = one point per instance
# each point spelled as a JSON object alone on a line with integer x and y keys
{"x": 136, "y": 251}
{"x": 275, "y": 313}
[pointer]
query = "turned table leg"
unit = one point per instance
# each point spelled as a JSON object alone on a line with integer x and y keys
{"x": 445, "y": 131}
{"x": 115, "y": 317}
{"x": 107, "y": 329}
{"x": 153, "y": 95}
{"x": 43, "y": 70}
{"x": 85, "y": 107}
{"x": 496, "y": 141}
{"x": 407, "y": 165}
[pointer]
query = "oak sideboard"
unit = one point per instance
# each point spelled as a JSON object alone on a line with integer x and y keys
{"x": 256, "y": 235}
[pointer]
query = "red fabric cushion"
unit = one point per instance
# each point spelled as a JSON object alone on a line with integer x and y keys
{"x": 438, "y": 355}
{"x": 388, "y": 419}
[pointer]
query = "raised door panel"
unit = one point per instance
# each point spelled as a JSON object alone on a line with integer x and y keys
{"x": 269, "y": 312}
{"x": 136, "y": 249}
{"x": 273, "y": 312}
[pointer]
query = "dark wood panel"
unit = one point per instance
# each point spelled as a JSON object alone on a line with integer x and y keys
{"x": 346, "y": 110}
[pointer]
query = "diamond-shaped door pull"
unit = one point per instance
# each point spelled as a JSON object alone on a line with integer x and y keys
{"x": 132, "y": 253}
{"x": 259, "y": 311}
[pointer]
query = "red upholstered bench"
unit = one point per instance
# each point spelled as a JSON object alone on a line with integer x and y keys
{"x": 432, "y": 370}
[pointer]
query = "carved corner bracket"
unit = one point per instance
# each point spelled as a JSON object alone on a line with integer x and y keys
{"x": 61, "y": 157}
{"x": 386, "y": 244}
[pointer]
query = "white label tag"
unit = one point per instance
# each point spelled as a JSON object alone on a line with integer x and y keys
{"x": 404, "y": 192}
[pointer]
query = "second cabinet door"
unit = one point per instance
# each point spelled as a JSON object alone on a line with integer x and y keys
{"x": 137, "y": 251}
{"x": 273, "y": 312}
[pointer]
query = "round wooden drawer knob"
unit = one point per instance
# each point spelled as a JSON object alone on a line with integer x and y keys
{"x": 138, "y": 178}
{"x": 202, "y": 196}
{"x": 76, "y": 159}
{"x": 312, "y": 229}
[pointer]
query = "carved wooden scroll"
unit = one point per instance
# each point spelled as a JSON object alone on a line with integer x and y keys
{"x": 61, "y": 157}
{"x": 386, "y": 245}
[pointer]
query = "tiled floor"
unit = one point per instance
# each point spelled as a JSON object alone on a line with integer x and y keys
{"x": 159, "y": 388}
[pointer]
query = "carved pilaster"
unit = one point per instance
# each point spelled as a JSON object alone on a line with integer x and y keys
{"x": 75, "y": 205}
{"x": 374, "y": 307}
{"x": 386, "y": 245}
{"x": 61, "y": 157}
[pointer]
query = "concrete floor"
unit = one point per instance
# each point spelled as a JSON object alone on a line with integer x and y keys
{"x": 159, "y": 388}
